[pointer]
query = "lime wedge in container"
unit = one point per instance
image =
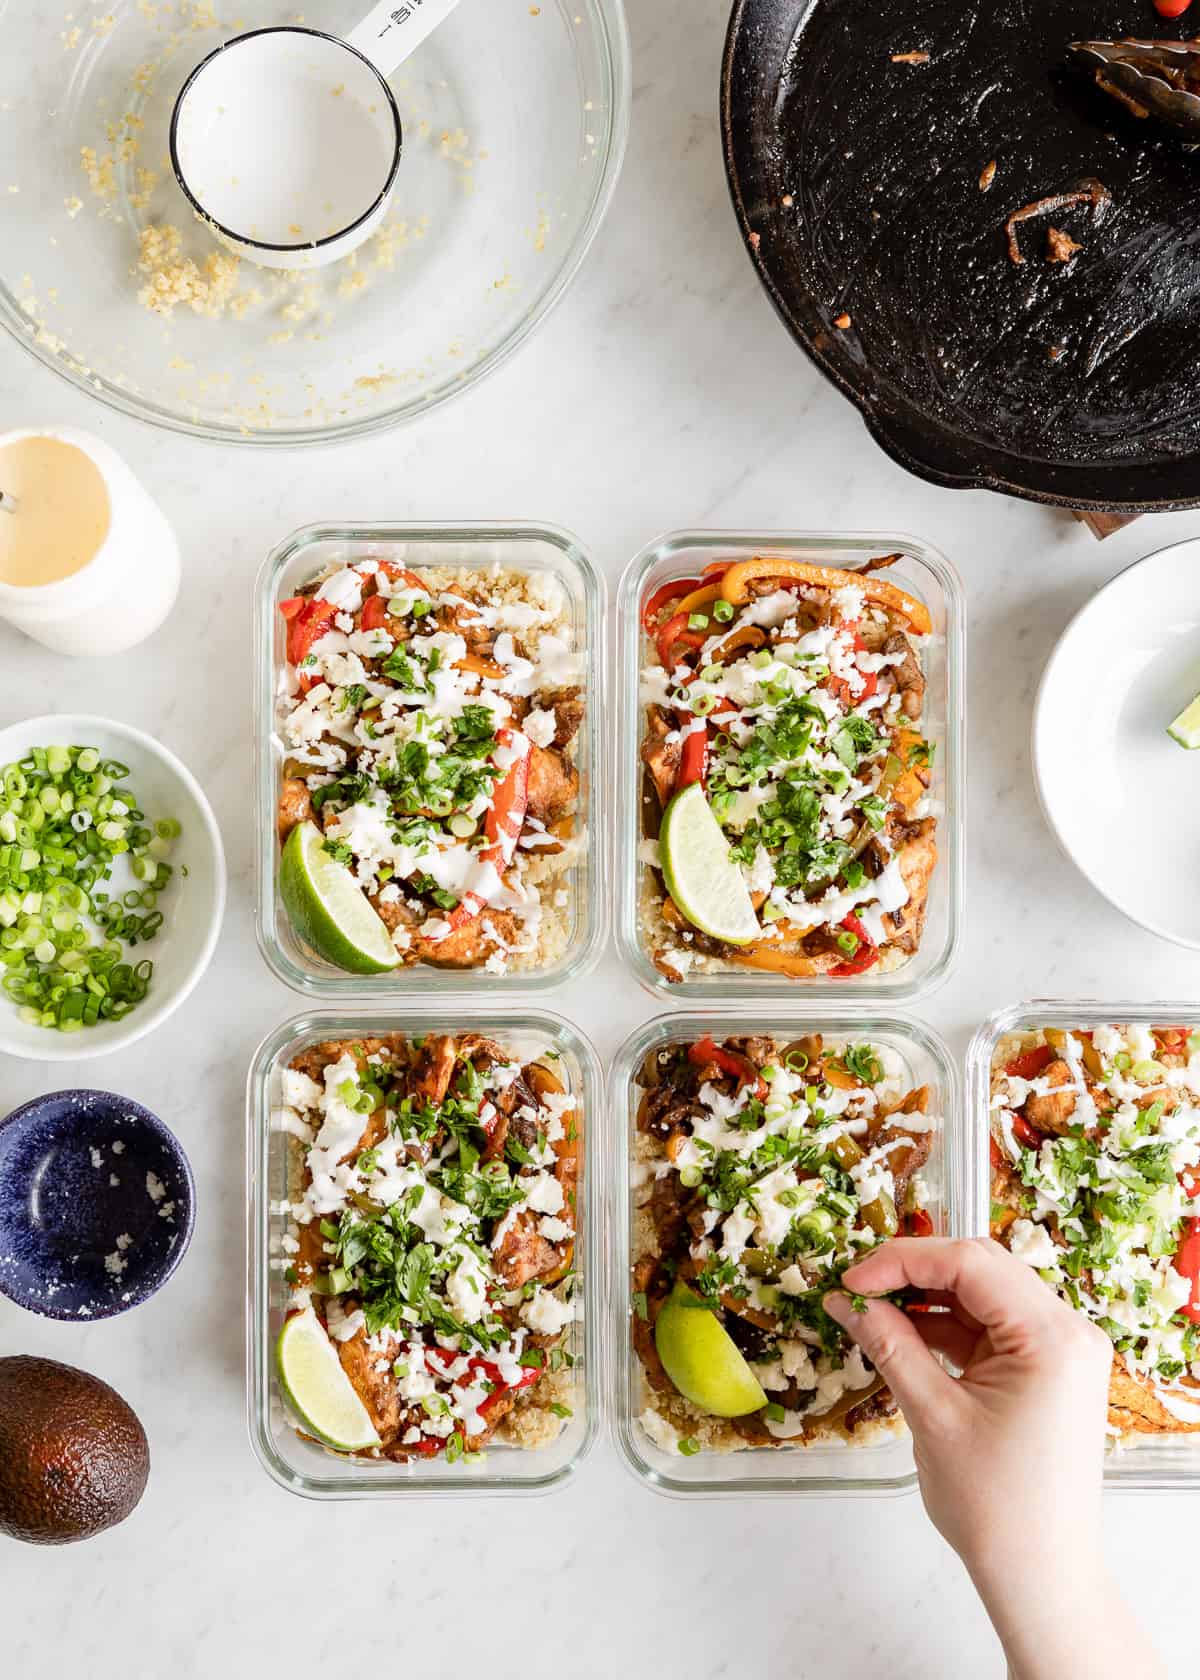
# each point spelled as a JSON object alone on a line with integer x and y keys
{"x": 328, "y": 908}
{"x": 1186, "y": 727}
{"x": 702, "y": 1359}
{"x": 318, "y": 1390}
{"x": 700, "y": 872}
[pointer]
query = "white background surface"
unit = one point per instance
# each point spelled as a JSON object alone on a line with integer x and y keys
{"x": 663, "y": 393}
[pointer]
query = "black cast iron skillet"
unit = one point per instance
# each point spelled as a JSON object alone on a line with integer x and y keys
{"x": 857, "y": 183}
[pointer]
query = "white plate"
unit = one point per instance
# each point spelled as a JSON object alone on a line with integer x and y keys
{"x": 192, "y": 907}
{"x": 1122, "y": 798}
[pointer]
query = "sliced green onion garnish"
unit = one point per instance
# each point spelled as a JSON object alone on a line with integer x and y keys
{"x": 64, "y": 820}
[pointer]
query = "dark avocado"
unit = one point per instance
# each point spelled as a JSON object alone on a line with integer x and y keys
{"x": 73, "y": 1457}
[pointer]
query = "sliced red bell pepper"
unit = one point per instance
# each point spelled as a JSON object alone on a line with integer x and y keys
{"x": 693, "y": 760}
{"x": 675, "y": 630}
{"x": 529, "y": 1375}
{"x": 478, "y": 1367}
{"x": 716, "y": 569}
{"x": 840, "y": 687}
{"x": 1027, "y": 1134}
{"x": 1030, "y": 1063}
{"x": 1172, "y": 1040}
{"x": 1187, "y": 1264}
{"x": 659, "y": 599}
{"x": 995, "y": 1153}
{"x": 737, "y": 1066}
{"x": 289, "y": 609}
{"x": 373, "y": 614}
{"x": 501, "y": 827}
{"x": 919, "y": 1223}
{"x": 390, "y": 569}
{"x": 865, "y": 956}
{"x": 307, "y": 623}
{"x": 427, "y": 1447}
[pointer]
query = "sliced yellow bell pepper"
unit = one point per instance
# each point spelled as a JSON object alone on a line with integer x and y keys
{"x": 699, "y": 599}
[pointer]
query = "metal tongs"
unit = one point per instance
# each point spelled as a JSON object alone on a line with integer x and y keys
{"x": 1149, "y": 78}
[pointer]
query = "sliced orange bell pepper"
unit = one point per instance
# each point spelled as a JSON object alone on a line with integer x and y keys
{"x": 736, "y": 581}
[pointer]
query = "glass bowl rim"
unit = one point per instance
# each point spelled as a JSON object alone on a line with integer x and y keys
{"x": 614, "y": 42}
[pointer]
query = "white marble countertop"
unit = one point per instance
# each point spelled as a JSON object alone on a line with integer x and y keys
{"x": 663, "y": 393}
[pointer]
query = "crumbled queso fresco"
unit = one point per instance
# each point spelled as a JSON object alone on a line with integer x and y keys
{"x": 429, "y": 724}
{"x": 798, "y": 707}
{"x": 1095, "y": 1170}
{"x": 763, "y": 1171}
{"x": 433, "y": 1230}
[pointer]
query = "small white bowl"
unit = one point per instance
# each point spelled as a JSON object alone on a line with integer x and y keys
{"x": 192, "y": 907}
{"x": 1122, "y": 798}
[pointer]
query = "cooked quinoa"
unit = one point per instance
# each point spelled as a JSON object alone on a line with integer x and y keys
{"x": 429, "y": 721}
{"x": 432, "y": 1201}
{"x": 761, "y": 1172}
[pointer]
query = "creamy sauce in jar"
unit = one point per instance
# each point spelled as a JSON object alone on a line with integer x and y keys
{"x": 62, "y": 513}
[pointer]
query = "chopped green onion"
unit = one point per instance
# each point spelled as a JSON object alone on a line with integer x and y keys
{"x": 64, "y": 821}
{"x": 722, "y": 611}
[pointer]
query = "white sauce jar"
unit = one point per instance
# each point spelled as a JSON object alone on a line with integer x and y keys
{"x": 128, "y": 586}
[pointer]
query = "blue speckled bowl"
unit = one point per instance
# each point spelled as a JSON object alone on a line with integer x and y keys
{"x": 96, "y": 1204}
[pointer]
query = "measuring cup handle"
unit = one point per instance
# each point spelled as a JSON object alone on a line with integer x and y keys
{"x": 394, "y": 29}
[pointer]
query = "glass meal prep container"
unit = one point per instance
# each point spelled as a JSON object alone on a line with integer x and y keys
{"x": 1151, "y": 1462}
{"x": 306, "y": 555}
{"x": 922, "y": 572}
{"x": 882, "y": 1465}
{"x": 301, "y": 1465}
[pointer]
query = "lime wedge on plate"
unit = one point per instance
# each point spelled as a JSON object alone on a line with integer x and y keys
{"x": 329, "y": 910}
{"x": 702, "y": 1359}
{"x": 318, "y": 1390}
{"x": 701, "y": 876}
{"x": 1186, "y": 727}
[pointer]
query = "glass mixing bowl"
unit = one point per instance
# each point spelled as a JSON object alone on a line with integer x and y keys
{"x": 515, "y": 117}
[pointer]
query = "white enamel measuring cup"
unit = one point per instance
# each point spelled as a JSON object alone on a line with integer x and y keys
{"x": 287, "y": 141}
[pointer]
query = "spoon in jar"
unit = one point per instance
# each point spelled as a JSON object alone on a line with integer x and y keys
{"x": 286, "y": 141}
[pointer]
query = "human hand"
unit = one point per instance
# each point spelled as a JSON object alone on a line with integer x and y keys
{"x": 1009, "y": 1453}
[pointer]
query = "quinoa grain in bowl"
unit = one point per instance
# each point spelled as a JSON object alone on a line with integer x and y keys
{"x": 428, "y": 719}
